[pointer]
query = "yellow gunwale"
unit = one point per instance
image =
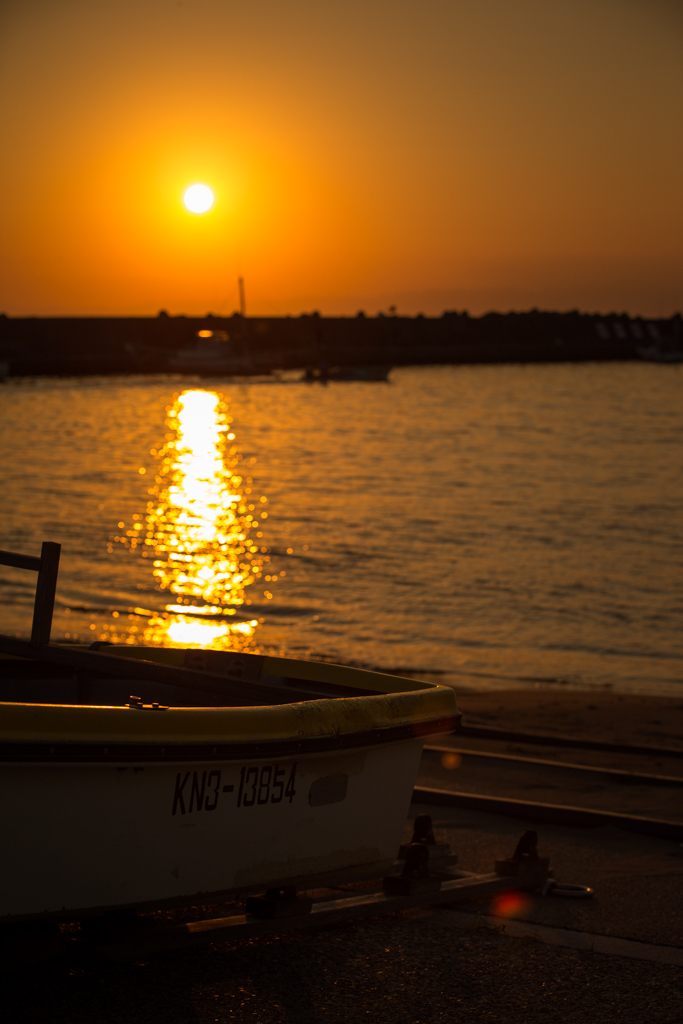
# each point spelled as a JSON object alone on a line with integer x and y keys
{"x": 400, "y": 703}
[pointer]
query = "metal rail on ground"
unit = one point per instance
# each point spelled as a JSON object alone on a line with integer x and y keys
{"x": 549, "y": 814}
{"x": 481, "y": 732}
{"x": 416, "y": 881}
{"x": 123, "y": 938}
{"x": 327, "y": 912}
{"x": 614, "y": 774}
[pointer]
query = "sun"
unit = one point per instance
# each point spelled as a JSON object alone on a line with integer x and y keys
{"x": 198, "y": 198}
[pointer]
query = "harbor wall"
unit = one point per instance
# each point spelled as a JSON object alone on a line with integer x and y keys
{"x": 104, "y": 345}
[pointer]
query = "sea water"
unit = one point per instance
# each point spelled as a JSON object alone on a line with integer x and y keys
{"x": 488, "y": 526}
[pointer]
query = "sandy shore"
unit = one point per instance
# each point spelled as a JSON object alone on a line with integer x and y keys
{"x": 617, "y": 718}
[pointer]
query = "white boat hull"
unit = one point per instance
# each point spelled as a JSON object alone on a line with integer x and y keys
{"x": 91, "y": 837}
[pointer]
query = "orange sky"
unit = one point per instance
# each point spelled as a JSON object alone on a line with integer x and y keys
{"x": 443, "y": 154}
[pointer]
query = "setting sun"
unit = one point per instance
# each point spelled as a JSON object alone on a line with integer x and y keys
{"x": 170, "y": 174}
{"x": 198, "y": 198}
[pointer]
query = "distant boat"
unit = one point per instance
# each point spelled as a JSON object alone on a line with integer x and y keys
{"x": 210, "y": 355}
{"x": 666, "y": 349}
{"x": 662, "y": 352}
{"x": 347, "y": 373}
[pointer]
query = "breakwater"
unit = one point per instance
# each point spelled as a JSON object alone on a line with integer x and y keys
{"x": 102, "y": 345}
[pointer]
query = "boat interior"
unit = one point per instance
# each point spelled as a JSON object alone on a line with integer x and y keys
{"x": 26, "y": 681}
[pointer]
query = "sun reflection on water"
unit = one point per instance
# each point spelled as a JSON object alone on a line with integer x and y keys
{"x": 202, "y": 531}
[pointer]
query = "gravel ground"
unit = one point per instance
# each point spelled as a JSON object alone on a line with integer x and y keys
{"x": 413, "y": 968}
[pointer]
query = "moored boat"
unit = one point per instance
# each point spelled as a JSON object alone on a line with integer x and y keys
{"x": 213, "y": 354}
{"x": 227, "y": 774}
{"x": 323, "y": 374}
{"x": 662, "y": 353}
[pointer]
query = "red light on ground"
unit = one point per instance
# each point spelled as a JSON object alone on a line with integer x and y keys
{"x": 510, "y": 904}
{"x": 451, "y": 761}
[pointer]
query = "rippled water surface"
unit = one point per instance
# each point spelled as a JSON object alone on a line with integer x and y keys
{"x": 495, "y": 525}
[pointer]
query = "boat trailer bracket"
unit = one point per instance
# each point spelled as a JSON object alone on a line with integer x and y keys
{"x": 321, "y": 914}
{"x": 279, "y": 903}
{"x": 123, "y": 935}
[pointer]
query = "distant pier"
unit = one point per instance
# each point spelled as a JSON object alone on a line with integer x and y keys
{"x": 114, "y": 345}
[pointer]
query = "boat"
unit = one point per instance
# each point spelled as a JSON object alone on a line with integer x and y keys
{"x": 212, "y": 355}
{"x": 139, "y": 777}
{"x": 666, "y": 348}
{"x": 662, "y": 352}
{"x": 347, "y": 373}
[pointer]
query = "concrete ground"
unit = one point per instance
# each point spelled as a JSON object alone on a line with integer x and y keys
{"x": 550, "y": 783}
{"x": 638, "y": 880}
